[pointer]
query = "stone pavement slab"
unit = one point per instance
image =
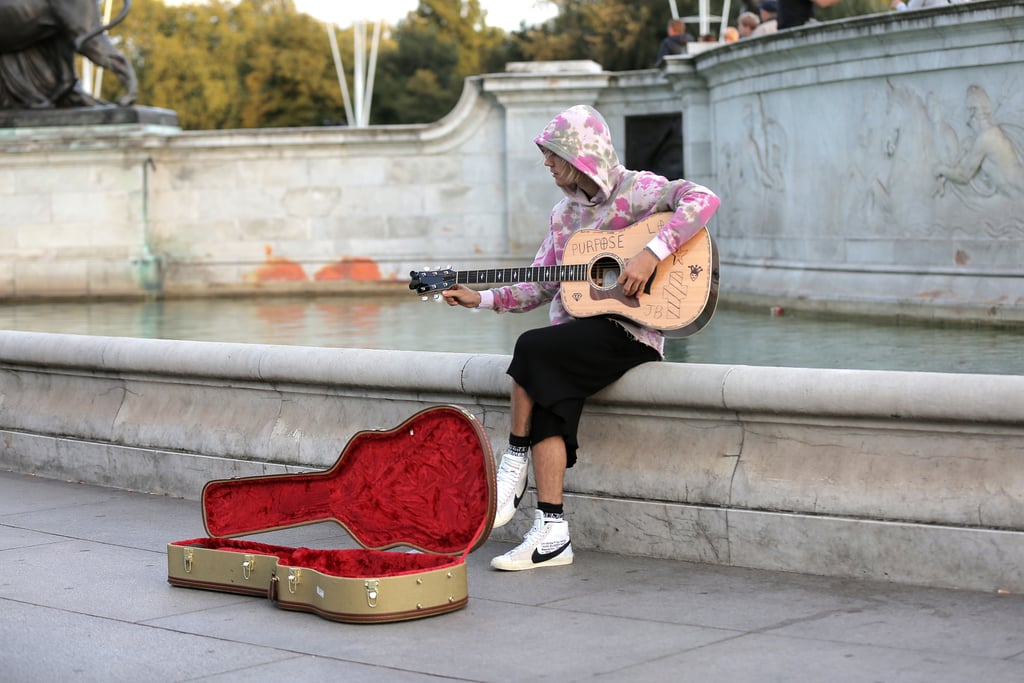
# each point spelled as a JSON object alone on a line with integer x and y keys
{"x": 84, "y": 597}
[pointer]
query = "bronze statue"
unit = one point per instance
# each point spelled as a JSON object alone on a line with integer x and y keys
{"x": 38, "y": 43}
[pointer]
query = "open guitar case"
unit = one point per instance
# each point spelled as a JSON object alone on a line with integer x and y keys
{"x": 417, "y": 499}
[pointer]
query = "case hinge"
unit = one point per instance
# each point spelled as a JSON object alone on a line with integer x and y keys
{"x": 371, "y": 592}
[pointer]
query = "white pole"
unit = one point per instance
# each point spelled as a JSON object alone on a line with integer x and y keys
{"x": 87, "y": 68}
{"x": 675, "y": 10}
{"x": 725, "y": 20}
{"x": 342, "y": 83}
{"x": 704, "y": 11}
{"x": 99, "y": 70}
{"x": 359, "y": 70}
{"x": 371, "y": 71}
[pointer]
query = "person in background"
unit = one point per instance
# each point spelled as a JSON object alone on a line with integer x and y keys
{"x": 793, "y": 13}
{"x": 556, "y": 367}
{"x": 732, "y": 34}
{"x": 675, "y": 42}
{"x": 708, "y": 38}
{"x": 746, "y": 23}
{"x": 769, "y": 11}
{"x": 747, "y": 6}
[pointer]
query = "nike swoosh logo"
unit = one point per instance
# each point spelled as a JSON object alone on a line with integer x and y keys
{"x": 539, "y": 557}
{"x": 518, "y": 498}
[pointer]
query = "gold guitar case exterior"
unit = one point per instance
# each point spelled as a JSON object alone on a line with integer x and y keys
{"x": 417, "y": 499}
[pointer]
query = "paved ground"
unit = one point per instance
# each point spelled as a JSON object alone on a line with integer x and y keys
{"x": 83, "y": 597}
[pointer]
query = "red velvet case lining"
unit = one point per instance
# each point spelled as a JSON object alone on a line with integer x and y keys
{"x": 352, "y": 563}
{"x": 427, "y": 484}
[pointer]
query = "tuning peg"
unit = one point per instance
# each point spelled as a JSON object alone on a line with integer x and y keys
{"x": 437, "y": 297}
{"x": 424, "y": 298}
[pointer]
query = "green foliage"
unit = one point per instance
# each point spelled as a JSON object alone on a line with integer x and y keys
{"x": 620, "y": 35}
{"x": 221, "y": 65}
{"x": 261, "y": 63}
{"x": 433, "y": 52}
{"x": 288, "y": 75}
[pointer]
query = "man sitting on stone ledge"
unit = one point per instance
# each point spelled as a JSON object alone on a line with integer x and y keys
{"x": 555, "y": 368}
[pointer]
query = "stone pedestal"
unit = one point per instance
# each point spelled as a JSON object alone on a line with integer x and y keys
{"x": 87, "y": 116}
{"x": 74, "y": 187}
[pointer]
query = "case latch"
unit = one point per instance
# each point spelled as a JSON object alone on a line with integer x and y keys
{"x": 188, "y": 560}
{"x": 294, "y": 576}
{"x": 371, "y": 592}
{"x": 247, "y": 566}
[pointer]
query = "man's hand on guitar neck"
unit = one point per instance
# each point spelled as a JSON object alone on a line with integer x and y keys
{"x": 457, "y": 295}
{"x": 637, "y": 272}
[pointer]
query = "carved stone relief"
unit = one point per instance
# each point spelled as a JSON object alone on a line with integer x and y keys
{"x": 923, "y": 161}
{"x": 988, "y": 161}
{"x": 754, "y": 167}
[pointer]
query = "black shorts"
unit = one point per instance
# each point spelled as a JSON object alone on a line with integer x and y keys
{"x": 559, "y": 366}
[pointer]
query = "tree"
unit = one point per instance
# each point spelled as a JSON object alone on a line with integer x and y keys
{"x": 224, "y": 65}
{"x": 434, "y": 50}
{"x": 185, "y": 59}
{"x": 620, "y": 35}
{"x": 286, "y": 68}
{"x": 257, "y": 63}
{"x": 417, "y": 79}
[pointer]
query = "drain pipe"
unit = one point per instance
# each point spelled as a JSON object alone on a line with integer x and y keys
{"x": 148, "y": 266}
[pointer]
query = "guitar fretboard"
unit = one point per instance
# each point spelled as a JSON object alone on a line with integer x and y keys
{"x": 530, "y": 274}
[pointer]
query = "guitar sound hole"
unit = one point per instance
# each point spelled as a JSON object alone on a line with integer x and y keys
{"x": 605, "y": 271}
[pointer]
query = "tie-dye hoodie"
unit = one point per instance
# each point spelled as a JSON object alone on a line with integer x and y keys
{"x": 580, "y": 136}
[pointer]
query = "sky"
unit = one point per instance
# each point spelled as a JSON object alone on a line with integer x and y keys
{"x": 505, "y": 14}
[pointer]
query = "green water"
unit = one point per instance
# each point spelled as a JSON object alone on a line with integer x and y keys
{"x": 734, "y": 337}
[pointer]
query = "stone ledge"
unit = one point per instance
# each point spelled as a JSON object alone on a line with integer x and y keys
{"x": 965, "y": 558}
{"x": 910, "y": 477}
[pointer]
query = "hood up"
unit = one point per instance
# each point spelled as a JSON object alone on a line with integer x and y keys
{"x": 580, "y": 136}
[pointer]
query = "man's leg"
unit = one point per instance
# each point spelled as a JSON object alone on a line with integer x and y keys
{"x": 521, "y": 407}
{"x": 549, "y": 459}
{"x": 549, "y": 456}
{"x": 547, "y": 544}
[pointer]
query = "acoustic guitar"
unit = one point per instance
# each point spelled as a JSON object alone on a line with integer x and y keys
{"x": 679, "y": 299}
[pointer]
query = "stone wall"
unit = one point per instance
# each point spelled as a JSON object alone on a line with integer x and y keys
{"x": 870, "y": 165}
{"x": 908, "y": 477}
{"x": 876, "y": 163}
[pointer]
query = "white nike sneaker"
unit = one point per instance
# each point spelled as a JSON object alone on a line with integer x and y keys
{"x": 546, "y": 544}
{"x": 512, "y": 475}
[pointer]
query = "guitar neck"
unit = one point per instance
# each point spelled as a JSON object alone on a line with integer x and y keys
{"x": 564, "y": 273}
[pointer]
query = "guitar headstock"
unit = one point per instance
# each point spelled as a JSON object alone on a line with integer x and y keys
{"x": 426, "y": 281}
